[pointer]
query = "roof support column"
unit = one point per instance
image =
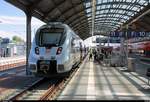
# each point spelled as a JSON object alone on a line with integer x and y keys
{"x": 100, "y": 45}
{"x": 28, "y": 39}
{"x": 93, "y": 15}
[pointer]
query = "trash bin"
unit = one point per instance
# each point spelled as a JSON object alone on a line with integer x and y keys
{"x": 115, "y": 61}
{"x": 131, "y": 64}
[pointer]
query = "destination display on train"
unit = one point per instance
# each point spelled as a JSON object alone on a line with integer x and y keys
{"x": 130, "y": 34}
{"x": 53, "y": 30}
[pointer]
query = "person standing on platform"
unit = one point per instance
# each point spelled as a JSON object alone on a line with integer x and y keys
{"x": 95, "y": 55}
{"x": 90, "y": 55}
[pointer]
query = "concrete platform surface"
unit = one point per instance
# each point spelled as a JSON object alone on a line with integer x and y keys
{"x": 8, "y": 60}
{"x": 97, "y": 82}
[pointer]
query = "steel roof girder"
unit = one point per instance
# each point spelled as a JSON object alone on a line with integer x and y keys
{"x": 111, "y": 14}
{"x": 80, "y": 21}
{"x": 147, "y": 19}
{"x": 46, "y": 14}
{"x": 108, "y": 20}
{"x": 77, "y": 20}
{"x": 82, "y": 11}
{"x": 80, "y": 26}
{"x": 120, "y": 3}
{"x": 144, "y": 24}
{"x": 109, "y": 17}
{"x": 105, "y": 25}
{"x": 61, "y": 12}
{"x": 84, "y": 23}
{"x": 114, "y": 9}
{"x": 34, "y": 5}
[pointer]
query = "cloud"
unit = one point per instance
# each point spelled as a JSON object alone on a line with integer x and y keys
{"x": 13, "y": 22}
{"x": 16, "y": 20}
{"x": 6, "y": 34}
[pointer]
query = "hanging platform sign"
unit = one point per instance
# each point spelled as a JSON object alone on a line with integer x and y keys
{"x": 129, "y": 34}
{"x": 138, "y": 39}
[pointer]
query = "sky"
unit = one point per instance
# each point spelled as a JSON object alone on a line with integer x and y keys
{"x": 13, "y": 21}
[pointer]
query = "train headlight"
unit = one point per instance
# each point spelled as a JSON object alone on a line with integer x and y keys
{"x": 37, "y": 51}
{"x": 59, "y": 50}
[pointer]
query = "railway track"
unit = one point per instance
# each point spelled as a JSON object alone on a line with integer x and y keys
{"x": 44, "y": 89}
{"x": 25, "y": 91}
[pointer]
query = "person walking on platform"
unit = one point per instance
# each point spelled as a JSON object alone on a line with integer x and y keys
{"x": 90, "y": 55}
{"x": 95, "y": 55}
{"x": 101, "y": 57}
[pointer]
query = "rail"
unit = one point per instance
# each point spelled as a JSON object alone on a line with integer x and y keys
{"x": 56, "y": 89}
{"x": 50, "y": 93}
{"x": 16, "y": 97}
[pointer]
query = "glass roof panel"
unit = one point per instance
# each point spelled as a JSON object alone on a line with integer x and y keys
{"x": 116, "y": 12}
{"x": 88, "y": 4}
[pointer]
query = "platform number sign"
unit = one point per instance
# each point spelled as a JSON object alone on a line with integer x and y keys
{"x": 129, "y": 34}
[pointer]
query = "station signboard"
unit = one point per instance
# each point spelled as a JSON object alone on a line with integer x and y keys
{"x": 129, "y": 34}
{"x": 138, "y": 39}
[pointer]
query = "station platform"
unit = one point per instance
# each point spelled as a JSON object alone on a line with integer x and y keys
{"x": 11, "y": 62}
{"x": 95, "y": 81}
{"x": 4, "y": 60}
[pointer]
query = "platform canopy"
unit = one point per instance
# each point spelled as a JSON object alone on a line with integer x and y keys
{"x": 109, "y": 14}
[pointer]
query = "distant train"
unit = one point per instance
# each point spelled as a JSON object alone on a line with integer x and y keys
{"x": 142, "y": 48}
{"x": 55, "y": 50}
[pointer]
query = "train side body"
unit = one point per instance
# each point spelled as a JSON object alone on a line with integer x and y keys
{"x": 141, "y": 47}
{"x": 55, "y": 49}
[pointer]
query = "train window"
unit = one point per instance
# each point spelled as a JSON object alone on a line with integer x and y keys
{"x": 73, "y": 42}
{"x": 73, "y": 45}
{"x": 62, "y": 39}
{"x": 51, "y": 37}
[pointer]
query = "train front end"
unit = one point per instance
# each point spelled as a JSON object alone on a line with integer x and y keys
{"x": 46, "y": 55}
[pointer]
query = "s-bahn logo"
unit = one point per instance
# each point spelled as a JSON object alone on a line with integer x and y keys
{"x": 129, "y": 34}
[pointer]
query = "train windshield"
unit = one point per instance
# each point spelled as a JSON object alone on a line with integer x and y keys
{"x": 51, "y": 37}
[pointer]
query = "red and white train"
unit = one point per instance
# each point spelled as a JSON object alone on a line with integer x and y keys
{"x": 142, "y": 48}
